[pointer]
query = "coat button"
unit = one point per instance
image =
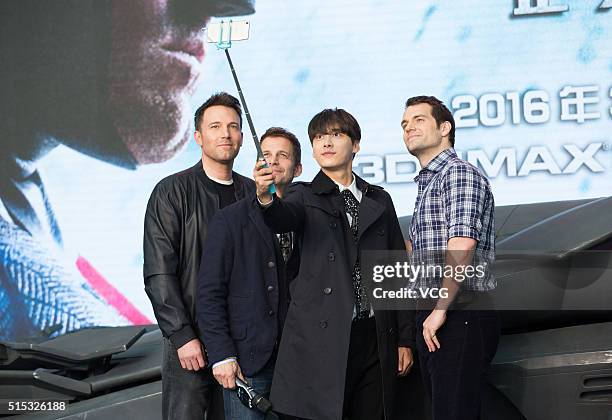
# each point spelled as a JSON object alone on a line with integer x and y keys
{"x": 336, "y": 213}
{"x": 381, "y": 232}
{"x": 331, "y": 256}
{"x": 323, "y": 324}
{"x": 270, "y": 288}
{"x": 271, "y": 264}
{"x": 333, "y": 225}
{"x": 327, "y": 290}
{"x": 271, "y": 312}
{"x": 391, "y": 330}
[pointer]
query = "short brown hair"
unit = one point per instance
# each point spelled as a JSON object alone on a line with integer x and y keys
{"x": 281, "y": 132}
{"x": 438, "y": 110}
{"x": 218, "y": 99}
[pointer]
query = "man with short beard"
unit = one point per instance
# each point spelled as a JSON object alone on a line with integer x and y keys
{"x": 175, "y": 229}
{"x": 242, "y": 286}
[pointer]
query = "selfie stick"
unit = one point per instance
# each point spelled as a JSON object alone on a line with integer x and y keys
{"x": 226, "y": 45}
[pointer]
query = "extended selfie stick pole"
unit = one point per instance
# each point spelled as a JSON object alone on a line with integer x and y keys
{"x": 244, "y": 104}
{"x": 225, "y": 45}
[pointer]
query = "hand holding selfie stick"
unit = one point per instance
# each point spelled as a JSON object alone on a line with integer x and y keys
{"x": 224, "y": 37}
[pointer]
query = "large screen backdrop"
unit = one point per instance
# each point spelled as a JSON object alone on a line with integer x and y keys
{"x": 94, "y": 117}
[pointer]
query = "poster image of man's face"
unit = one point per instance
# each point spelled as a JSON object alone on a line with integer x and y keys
{"x": 110, "y": 79}
{"x": 155, "y": 62}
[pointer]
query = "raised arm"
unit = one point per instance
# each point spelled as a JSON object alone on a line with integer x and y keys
{"x": 281, "y": 215}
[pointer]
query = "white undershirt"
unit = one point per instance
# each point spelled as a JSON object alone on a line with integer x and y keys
{"x": 220, "y": 181}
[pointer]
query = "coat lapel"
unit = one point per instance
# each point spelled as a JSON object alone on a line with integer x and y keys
{"x": 369, "y": 212}
{"x": 323, "y": 202}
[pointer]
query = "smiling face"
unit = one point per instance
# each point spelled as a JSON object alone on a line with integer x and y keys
{"x": 219, "y": 134}
{"x": 280, "y": 155}
{"x": 154, "y": 65}
{"x": 422, "y": 136}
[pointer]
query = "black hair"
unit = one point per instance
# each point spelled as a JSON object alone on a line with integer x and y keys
{"x": 438, "y": 110}
{"x": 336, "y": 118}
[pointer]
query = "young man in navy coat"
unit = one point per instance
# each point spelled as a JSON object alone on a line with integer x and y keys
{"x": 242, "y": 289}
{"x": 338, "y": 357}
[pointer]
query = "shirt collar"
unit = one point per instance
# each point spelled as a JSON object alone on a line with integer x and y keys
{"x": 322, "y": 184}
{"x": 438, "y": 162}
{"x": 352, "y": 188}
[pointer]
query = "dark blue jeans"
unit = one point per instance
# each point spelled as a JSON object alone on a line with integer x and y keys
{"x": 454, "y": 375}
{"x": 261, "y": 382}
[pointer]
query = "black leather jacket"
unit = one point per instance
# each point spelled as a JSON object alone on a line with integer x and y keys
{"x": 175, "y": 227}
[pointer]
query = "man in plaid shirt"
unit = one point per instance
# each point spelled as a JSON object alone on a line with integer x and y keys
{"x": 452, "y": 226}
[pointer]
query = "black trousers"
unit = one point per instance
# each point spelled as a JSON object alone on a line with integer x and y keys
{"x": 188, "y": 394}
{"x": 363, "y": 388}
{"x": 454, "y": 375}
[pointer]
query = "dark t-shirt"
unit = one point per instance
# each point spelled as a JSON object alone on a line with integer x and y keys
{"x": 226, "y": 193}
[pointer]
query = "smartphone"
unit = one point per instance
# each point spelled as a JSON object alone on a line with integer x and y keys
{"x": 225, "y": 31}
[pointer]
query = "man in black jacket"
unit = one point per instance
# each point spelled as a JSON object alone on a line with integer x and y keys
{"x": 338, "y": 357}
{"x": 176, "y": 221}
{"x": 242, "y": 287}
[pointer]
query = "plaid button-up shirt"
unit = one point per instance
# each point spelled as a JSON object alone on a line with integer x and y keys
{"x": 454, "y": 200}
